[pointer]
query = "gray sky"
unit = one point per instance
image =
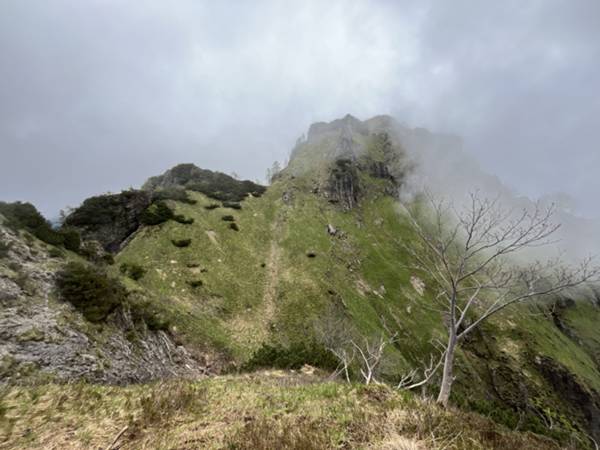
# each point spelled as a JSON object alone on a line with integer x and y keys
{"x": 99, "y": 95}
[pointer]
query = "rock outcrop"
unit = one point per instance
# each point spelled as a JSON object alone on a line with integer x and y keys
{"x": 42, "y": 337}
{"x": 110, "y": 219}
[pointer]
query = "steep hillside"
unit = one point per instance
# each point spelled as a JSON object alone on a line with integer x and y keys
{"x": 246, "y": 279}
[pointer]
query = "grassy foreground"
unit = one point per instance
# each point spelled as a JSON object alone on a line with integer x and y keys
{"x": 263, "y": 410}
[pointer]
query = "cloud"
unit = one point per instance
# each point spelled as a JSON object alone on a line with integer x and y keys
{"x": 99, "y": 95}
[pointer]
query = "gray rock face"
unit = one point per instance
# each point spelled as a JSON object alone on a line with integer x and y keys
{"x": 110, "y": 219}
{"x": 41, "y": 336}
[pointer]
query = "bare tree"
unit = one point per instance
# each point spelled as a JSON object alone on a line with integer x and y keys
{"x": 273, "y": 171}
{"x": 370, "y": 352}
{"x": 350, "y": 347}
{"x": 470, "y": 257}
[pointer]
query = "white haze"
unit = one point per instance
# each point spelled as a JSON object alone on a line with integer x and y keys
{"x": 98, "y": 95}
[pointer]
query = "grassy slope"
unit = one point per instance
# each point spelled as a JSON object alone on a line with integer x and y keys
{"x": 258, "y": 411}
{"x": 233, "y": 313}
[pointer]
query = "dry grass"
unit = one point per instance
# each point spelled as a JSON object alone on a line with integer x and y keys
{"x": 257, "y": 411}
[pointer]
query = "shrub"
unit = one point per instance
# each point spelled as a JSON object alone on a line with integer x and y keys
{"x": 234, "y": 226}
{"x": 181, "y": 219}
{"x": 181, "y": 242}
{"x": 55, "y": 252}
{"x": 156, "y": 214}
{"x": 71, "y": 238}
{"x": 143, "y": 310}
{"x": 132, "y": 270}
{"x": 90, "y": 290}
{"x": 292, "y": 357}
{"x": 212, "y": 206}
{"x": 24, "y": 216}
{"x": 173, "y": 193}
{"x": 195, "y": 283}
{"x": 4, "y": 248}
{"x": 228, "y": 218}
{"x": 232, "y": 205}
{"x": 216, "y": 185}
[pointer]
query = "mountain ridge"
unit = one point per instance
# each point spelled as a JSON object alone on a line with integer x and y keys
{"x": 318, "y": 246}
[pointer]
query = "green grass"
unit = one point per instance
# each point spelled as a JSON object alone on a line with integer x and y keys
{"x": 265, "y": 410}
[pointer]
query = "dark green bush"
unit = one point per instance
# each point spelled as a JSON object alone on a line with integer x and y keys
{"x": 212, "y": 206}
{"x": 181, "y": 242}
{"x": 132, "y": 270}
{"x": 232, "y": 205}
{"x": 216, "y": 185}
{"x": 181, "y": 219}
{"x": 292, "y": 357}
{"x": 156, "y": 214}
{"x": 55, "y": 252}
{"x": 4, "y": 248}
{"x": 228, "y": 218}
{"x": 173, "y": 193}
{"x": 195, "y": 283}
{"x": 234, "y": 226}
{"x": 24, "y": 216}
{"x": 91, "y": 290}
{"x": 143, "y": 310}
{"x": 71, "y": 238}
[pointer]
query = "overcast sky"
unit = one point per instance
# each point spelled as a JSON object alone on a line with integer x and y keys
{"x": 99, "y": 95}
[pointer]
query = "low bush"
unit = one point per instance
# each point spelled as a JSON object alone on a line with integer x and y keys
{"x": 234, "y": 226}
{"x": 182, "y": 219}
{"x": 212, "y": 206}
{"x": 232, "y": 205}
{"x": 143, "y": 310}
{"x": 4, "y": 248}
{"x": 195, "y": 283}
{"x": 292, "y": 357}
{"x": 132, "y": 270}
{"x": 24, "y": 216}
{"x": 173, "y": 193}
{"x": 228, "y": 218}
{"x": 157, "y": 213}
{"x": 181, "y": 242}
{"x": 55, "y": 252}
{"x": 72, "y": 239}
{"x": 89, "y": 289}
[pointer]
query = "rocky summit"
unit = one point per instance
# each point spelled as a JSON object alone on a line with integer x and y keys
{"x": 203, "y": 311}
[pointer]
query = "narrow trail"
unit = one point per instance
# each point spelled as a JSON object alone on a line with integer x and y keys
{"x": 272, "y": 279}
{"x": 253, "y": 328}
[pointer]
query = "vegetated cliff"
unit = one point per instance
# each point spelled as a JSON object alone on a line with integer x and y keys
{"x": 43, "y": 337}
{"x": 216, "y": 185}
{"x": 110, "y": 219}
{"x": 323, "y": 246}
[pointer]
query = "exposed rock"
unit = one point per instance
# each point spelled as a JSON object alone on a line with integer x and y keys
{"x": 41, "y": 336}
{"x": 344, "y": 186}
{"x": 582, "y": 400}
{"x": 110, "y": 219}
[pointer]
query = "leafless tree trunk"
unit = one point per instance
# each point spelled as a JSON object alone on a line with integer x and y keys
{"x": 468, "y": 256}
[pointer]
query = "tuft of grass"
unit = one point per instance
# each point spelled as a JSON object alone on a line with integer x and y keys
{"x": 181, "y": 242}
{"x": 232, "y": 205}
{"x": 132, "y": 270}
{"x": 195, "y": 283}
{"x": 179, "y": 218}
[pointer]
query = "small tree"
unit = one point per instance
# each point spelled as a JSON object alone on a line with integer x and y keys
{"x": 273, "y": 171}
{"x": 469, "y": 255}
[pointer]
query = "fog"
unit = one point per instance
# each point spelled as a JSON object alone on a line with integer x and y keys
{"x": 97, "y": 96}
